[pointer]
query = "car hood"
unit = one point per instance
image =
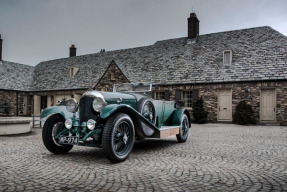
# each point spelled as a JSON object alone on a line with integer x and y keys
{"x": 114, "y": 97}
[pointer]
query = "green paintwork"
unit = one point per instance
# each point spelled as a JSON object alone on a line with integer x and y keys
{"x": 112, "y": 98}
{"x": 91, "y": 133}
{"x": 110, "y": 109}
{"x": 177, "y": 116}
{"x": 58, "y": 110}
{"x": 167, "y": 115}
{"x": 164, "y": 110}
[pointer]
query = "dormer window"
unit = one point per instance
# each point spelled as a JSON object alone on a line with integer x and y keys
{"x": 73, "y": 71}
{"x": 227, "y": 57}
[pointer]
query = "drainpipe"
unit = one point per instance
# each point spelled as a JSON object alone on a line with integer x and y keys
{"x": 17, "y": 104}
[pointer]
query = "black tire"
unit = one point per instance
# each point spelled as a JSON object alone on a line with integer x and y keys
{"x": 183, "y": 130}
{"x": 146, "y": 103}
{"x": 118, "y": 137}
{"x": 141, "y": 128}
{"x": 49, "y": 129}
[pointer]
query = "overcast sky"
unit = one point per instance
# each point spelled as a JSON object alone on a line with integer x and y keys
{"x": 40, "y": 30}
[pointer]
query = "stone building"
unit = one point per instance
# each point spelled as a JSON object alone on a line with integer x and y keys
{"x": 224, "y": 68}
{"x": 15, "y": 80}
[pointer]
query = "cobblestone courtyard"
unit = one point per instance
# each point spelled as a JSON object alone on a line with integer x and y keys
{"x": 216, "y": 157}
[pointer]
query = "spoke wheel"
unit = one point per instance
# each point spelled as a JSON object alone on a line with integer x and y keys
{"x": 183, "y": 130}
{"x": 118, "y": 137}
{"x": 146, "y": 108}
{"x": 52, "y": 127}
{"x": 122, "y": 138}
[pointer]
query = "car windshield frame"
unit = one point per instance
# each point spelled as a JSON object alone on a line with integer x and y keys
{"x": 133, "y": 87}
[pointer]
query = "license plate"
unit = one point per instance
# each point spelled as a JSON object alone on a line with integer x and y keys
{"x": 69, "y": 140}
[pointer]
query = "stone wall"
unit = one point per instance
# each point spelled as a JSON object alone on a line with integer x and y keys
{"x": 240, "y": 91}
{"x": 9, "y": 96}
{"x": 249, "y": 92}
{"x": 27, "y": 103}
{"x": 112, "y": 76}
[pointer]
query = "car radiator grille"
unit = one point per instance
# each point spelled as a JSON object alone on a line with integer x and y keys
{"x": 86, "y": 109}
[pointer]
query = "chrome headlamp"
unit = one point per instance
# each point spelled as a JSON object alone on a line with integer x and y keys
{"x": 68, "y": 123}
{"x": 72, "y": 105}
{"x": 91, "y": 124}
{"x": 98, "y": 104}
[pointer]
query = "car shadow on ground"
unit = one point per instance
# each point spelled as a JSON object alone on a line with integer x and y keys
{"x": 152, "y": 144}
{"x": 91, "y": 155}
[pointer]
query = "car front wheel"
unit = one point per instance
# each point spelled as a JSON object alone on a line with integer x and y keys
{"x": 53, "y": 125}
{"x": 118, "y": 137}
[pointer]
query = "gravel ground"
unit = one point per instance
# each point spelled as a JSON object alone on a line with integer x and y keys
{"x": 216, "y": 157}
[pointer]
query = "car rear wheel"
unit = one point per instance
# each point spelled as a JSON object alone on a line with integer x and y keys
{"x": 118, "y": 137}
{"x": 53, "y": 125}
{"x": 183, "y": 130}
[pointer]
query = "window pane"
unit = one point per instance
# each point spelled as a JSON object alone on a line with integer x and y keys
{"x": 187, "y": 98}
{"x": 159, "y": 95}
{"x": 227, "y": 57}
{"x": 21, "y": 107}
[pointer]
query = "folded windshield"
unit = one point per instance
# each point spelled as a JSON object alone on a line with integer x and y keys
{"x": 132, "y": 87}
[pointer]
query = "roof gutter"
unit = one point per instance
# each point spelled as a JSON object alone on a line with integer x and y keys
{"x": 228, "y": 82}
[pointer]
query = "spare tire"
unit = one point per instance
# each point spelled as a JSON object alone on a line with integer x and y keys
{"x": 145, "y": 107}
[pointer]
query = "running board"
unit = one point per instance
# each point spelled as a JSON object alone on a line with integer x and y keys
{"x": 166, "y": 131}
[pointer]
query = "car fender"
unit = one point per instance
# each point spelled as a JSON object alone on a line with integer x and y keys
{"x": 123, "y": 108}
{"x": 177, "y": 116}
{"x": 61, "y": 110}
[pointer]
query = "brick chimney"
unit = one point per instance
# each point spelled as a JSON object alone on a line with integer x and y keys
{"x": 1, "y": 40}
{"x": 193, "y": 26}
{"x": 73, "y": 50}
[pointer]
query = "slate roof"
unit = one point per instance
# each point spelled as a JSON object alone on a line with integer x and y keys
{"x": 258, "y": 54}
{"x": 15, "y": 76}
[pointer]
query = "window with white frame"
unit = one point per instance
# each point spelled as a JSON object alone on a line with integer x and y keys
{"x": 227, "y": 57}
{"x": 187, "y": 98}
{"x": 159, "y": 95}
{"x": 22, "y": 104}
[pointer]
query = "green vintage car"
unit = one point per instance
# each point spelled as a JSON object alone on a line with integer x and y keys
{"x": 113, "y": 121}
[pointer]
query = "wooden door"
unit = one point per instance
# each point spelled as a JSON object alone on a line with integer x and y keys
{"x": 267, "y": 105}
{"x": 224, "y": 105}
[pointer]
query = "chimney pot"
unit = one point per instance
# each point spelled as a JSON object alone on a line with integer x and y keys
{"x": 73, "y": 50}
{"x": 193, "y": 26}
{"x": 192, "y": 15}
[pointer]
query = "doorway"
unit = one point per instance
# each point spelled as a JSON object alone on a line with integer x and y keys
{"x": 224, "y": 107}
{"x": 267, "y": 105}
{"x": 43, "y": 102}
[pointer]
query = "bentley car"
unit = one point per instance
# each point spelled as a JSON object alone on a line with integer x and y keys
{"x": 113, "y": 121}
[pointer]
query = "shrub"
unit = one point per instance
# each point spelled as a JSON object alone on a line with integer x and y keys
{"x": 198, "y": 112}
{"x": 244, "y": 114}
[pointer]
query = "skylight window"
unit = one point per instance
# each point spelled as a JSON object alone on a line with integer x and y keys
{"x": 227, "y": 57}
